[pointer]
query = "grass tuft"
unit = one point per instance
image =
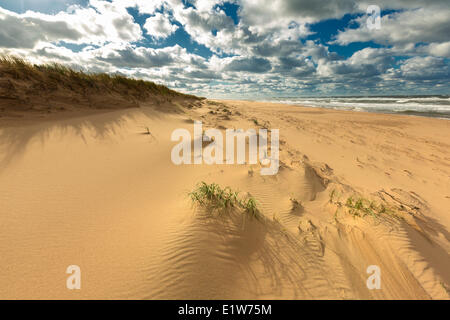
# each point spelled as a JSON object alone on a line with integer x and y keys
{"x": 222, "y": 200}
{"x": 214, "y": 197}
{"x": 250, "y": 206}
{"x": 359, "y": 206}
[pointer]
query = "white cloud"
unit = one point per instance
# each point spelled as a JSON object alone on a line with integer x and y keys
{"x": 363, "y": 64}
{"x": 101, "y": 23}
{"x": 159, "y": 26}
{"x": 269, "y": 14}
{"x": 400, "y": 28}
{"x": 422, "y": 68}
{"x": 439, "y": 49}
{"x": 26, "y": 30}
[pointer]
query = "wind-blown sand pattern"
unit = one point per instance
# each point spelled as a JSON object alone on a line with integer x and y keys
{"x": 97, "y": 191}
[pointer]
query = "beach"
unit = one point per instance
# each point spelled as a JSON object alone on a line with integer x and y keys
{"x": 99, "y": 190}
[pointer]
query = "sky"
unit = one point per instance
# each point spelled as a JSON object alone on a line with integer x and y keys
{"x": 255, "y": 49}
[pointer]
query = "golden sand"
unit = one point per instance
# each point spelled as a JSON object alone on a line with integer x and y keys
{"x": 95, "y": 190}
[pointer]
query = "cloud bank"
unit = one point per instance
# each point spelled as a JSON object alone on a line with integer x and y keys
{"x": 245, "y": 48}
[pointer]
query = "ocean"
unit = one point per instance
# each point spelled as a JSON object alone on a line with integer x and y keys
{"x": 437, "y": 106}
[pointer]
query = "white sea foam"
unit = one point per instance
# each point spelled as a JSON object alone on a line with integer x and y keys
{"x": 431, "y": 106}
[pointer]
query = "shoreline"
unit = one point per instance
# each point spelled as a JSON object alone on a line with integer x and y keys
{"x": 326, "y": 109}
{"x": 417, "y": 113}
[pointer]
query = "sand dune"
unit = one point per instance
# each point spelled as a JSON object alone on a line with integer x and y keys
{"x": 98, "y": 191}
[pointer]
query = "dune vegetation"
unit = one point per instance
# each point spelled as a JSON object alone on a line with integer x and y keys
{"x": 221, "y": 200}
{"x": 53, "y": 86}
